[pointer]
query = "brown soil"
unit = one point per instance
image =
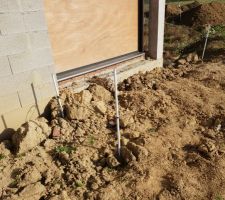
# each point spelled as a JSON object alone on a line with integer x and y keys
{"x": 173, "y": 133}
{"x": 212, "y": 13}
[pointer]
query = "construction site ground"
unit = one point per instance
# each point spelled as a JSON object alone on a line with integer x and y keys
{"x": 173, "y": 136}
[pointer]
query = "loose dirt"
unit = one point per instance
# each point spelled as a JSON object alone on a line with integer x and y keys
{"x": 197, "y": 15}
{"x": 173, "y": 142}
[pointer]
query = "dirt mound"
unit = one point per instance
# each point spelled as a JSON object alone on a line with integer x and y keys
{"x": 173, "y": 132}
{"x": 212, "y": 13}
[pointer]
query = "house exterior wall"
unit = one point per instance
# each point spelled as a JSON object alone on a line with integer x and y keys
{"x": 25, "y": 59}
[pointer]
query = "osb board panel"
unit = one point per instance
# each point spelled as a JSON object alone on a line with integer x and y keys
{"x": 90, "y": 31}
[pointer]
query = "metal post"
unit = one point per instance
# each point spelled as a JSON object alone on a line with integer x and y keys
{"x": 117, "y": 112}
{"x": 208, "y": 28}
{"x": 57, "y": 93}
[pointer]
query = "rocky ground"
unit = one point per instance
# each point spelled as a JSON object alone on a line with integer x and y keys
{"x": 173, "y": 141}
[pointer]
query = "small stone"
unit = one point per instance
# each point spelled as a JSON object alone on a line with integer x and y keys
{"x": 189, "y": 57}
{"x": 80, "y": 132}
{"x": 100, "y": 107}
{"x": 84, "y": 97}
{"x": 195, "y": 58}
{"x": 94, "y": 186}
{"x": 181, "y": 61}
{"x": 36, "y": 191}
{"x": 78, "y": 112}
{"x": 112, "y": 161}
{"x": 29, "y": 175}
{"x": 100, "y": 93}
{"x": 124, "y": 141}
{"x": 49, "y": 144}
{"x": 139, "y": 151}
{"x": 126, "y": 120}
{"x": 133, "y": 134}
{"x": 127, "y": 155}
{"x": 56, "y": 132}
{"x": 30, "y": 135}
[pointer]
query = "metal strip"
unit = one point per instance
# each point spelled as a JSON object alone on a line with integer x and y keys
{"x": 97, "y": 66}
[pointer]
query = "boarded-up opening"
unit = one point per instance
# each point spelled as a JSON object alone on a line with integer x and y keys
{"x": 90, "y": 31}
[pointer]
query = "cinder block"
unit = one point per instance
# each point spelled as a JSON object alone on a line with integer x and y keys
{"x": 8, "y": 85}
{"x": 13, "y": 44}
{"x": 26, "y": 96}
{"x": 39, "y": 40}
{"x": 35, "y": 21}
{"x": 3, "y": 6}
{"x": 45, "y": 90}
{"x": 9, "y": 5}
{"x": 43, "y": 57}
{"x": 11, "y": 23}
{"x": 31, "y": 5}
{"x": 31, "y": 60}
{"x": 5, "y": 69}
{"x": 9, "y": 102}
{"x": 21, "y": 62}
{"x": 37, "y": 77}
{"x": 14, "y": 119}
{"x": 14, "y": 5}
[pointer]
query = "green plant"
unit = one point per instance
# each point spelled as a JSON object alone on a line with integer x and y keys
{"x": 91, "y": 140}
{"x": 66, "y": 149}
{"x": 15, "y": 181}
{"x": 219, "y": 197}
{"x": 219, "y": 30}
{"x": 2, "y": 156}
{"x": 152, "y": 130}
{"x": 78, "y": 183}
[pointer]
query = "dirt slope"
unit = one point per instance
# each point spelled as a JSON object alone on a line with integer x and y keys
{"x": 196, "y": 14}
{"x": 173, "y": 132}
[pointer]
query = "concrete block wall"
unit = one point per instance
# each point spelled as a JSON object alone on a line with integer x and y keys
{"x": 25, "y": 59}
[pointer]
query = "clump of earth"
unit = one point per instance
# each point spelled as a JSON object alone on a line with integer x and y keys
{"x": 173, "y": 133}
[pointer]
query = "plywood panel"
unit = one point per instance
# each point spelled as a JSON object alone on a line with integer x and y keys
{"x": 83, "y": 32}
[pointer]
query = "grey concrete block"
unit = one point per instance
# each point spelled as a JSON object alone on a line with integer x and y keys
{"x": 30, "y": 60}
{"x": 39, "y": 40}
{"x": 5, "y": 69}
{"x": 26, "y": 96}
{"x": 13, "y": 44}
{"x": 31, "y": 5}
{"x": 9, "y": 102}
{"x": 14, "y": 5}
{"x": 8, "y": 85}
{"x": 11, "y": 23}
{"x": 35, "y": 21}
{"x": 3, "y": 6}
{"x": 36, "y": 76}
{"x": 45, "y": 90}
{"x": 21, "y": 62}
{"x": 9, "y": 6}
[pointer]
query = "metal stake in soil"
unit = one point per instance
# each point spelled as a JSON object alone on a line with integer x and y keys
{"x": 208, "y": 28}
{"x": 180, "y": 11}
{"x": 117, "y": 112}
{"x": 57, "y": 93}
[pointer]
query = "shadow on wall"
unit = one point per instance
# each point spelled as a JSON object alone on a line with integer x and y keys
{"x": 32, "y": 113}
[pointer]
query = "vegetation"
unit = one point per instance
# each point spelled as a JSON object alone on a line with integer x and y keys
{"x": 66, "y": 149}
{"x": 2, "y": 156}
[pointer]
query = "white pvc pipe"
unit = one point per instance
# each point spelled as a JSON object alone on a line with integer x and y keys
{"x": 117, "y": 112}
{"x": 206, "y": 40}
{"x": 57, "y": 93}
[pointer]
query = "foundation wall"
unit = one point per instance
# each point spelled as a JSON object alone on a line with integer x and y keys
{"x": 25, "y": 59}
